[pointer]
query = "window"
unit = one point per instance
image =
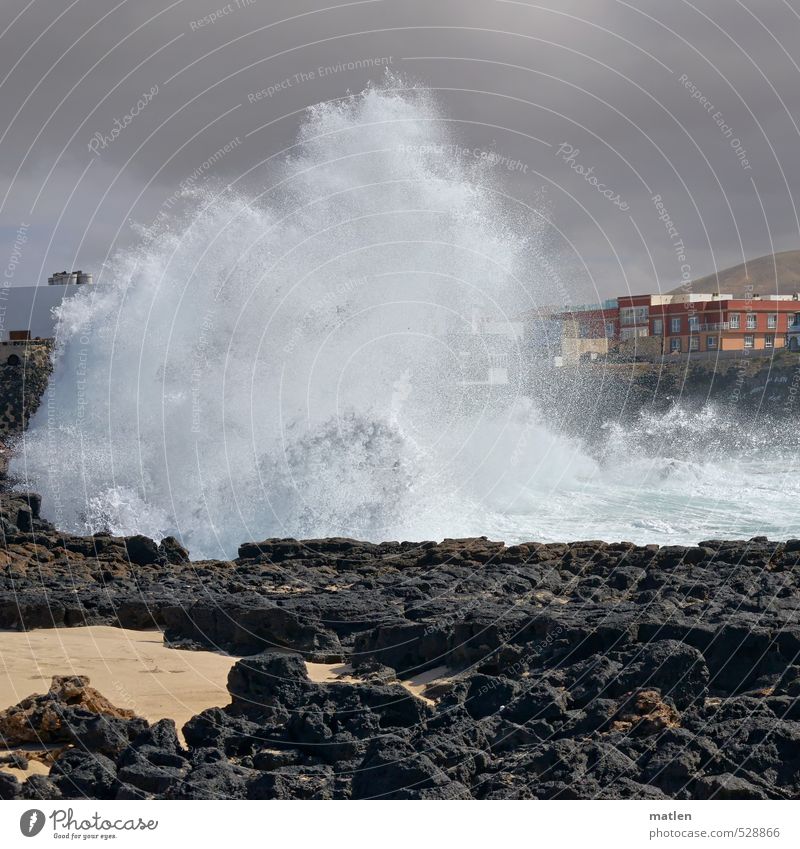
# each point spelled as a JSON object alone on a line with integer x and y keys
{"x": 769, "y": 340}
{"x": 634, "y": 315}
{"x": 674, "y": 344}
{"x": 658, "y": 327}
{"x": 694, "y": 323}
{"x": 749, "y": 340}
{"x": 751, "y": 321}
{"x": 772, "y": 321}
{"x": 734, "y": 321}
{"x": 610, "y": 334}
{"x": 711, "y": 343}
{"x": 675, "y": 326}
{"x": 694, "y": 343}
{"x": 792, "y": 318}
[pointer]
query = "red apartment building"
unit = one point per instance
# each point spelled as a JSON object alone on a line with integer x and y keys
{"x": 705, "y": 322}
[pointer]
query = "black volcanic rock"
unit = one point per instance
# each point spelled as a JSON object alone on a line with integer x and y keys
{"x": 80, "y": 774}
{"x": 564, "y": 670}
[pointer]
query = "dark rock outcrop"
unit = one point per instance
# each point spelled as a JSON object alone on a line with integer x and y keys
{"x": 569, "y": 670}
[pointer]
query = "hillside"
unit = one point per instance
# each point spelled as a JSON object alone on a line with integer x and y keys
{"x": 777, "y": 274}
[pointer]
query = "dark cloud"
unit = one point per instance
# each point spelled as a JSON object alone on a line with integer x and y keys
{"x": 601, "y": 76}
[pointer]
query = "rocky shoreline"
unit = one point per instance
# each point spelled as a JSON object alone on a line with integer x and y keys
{"x": 569, "y": 670}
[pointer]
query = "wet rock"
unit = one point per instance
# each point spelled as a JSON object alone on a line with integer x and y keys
{"x": 141, "y": 550}
{"x": 172, "y": 551}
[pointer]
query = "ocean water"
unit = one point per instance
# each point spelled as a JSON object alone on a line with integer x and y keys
{"x": 285, "y": 362}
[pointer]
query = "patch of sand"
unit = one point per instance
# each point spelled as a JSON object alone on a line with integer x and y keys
{"x": 133, "y": 669}
{"x": 326, "y": 673}
{"x": 34, "y": 768}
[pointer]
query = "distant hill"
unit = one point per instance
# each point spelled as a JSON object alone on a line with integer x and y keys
{"x": 777, "y": 274}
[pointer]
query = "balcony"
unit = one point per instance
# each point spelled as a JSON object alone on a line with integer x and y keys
{"x": 720, "y": 325}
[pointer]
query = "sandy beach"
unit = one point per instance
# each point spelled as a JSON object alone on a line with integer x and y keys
{"x": 134, "y": 669}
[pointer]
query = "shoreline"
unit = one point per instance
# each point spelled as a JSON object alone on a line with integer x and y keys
{"x": 463, "y": 669}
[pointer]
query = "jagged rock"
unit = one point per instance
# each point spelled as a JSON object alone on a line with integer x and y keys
{"x": 675, "y": 669}
{"x": 392, "y": 769}
{"x": 40, "y": 787}
{"x": 141, "y": 550}
{"x": 93, "y": 732}
{"x": 268, "y": 680}
{"x": 726, "y": 786}
{"x": 156, "y": 778}
{"x": 16, "y": 760}
{"x": 172, "y": 551}
{"x": 79, "y": 774}
{"x": 218, "y": 779}
{"x": 68, "y": 711}
{"x": 10, "y": 788}
{"x": 293, "y": 782}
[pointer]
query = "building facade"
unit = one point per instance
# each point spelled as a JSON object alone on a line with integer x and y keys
{"x": 587, "y": 330}
{"x": 708, "y": 323}
{"x": 28, "y": 313}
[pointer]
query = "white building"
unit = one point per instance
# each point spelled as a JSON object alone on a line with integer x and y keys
{"x": 27, "y": 312}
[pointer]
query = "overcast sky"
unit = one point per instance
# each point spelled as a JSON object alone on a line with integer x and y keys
{"x": 697, "y": 102}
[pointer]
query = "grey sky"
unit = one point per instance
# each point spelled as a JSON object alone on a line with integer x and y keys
{"x": 601, "y": 76}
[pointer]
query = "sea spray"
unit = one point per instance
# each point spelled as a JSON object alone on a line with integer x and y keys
{"x": 282, "y": 363}
{"x": 290, "y": 363}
